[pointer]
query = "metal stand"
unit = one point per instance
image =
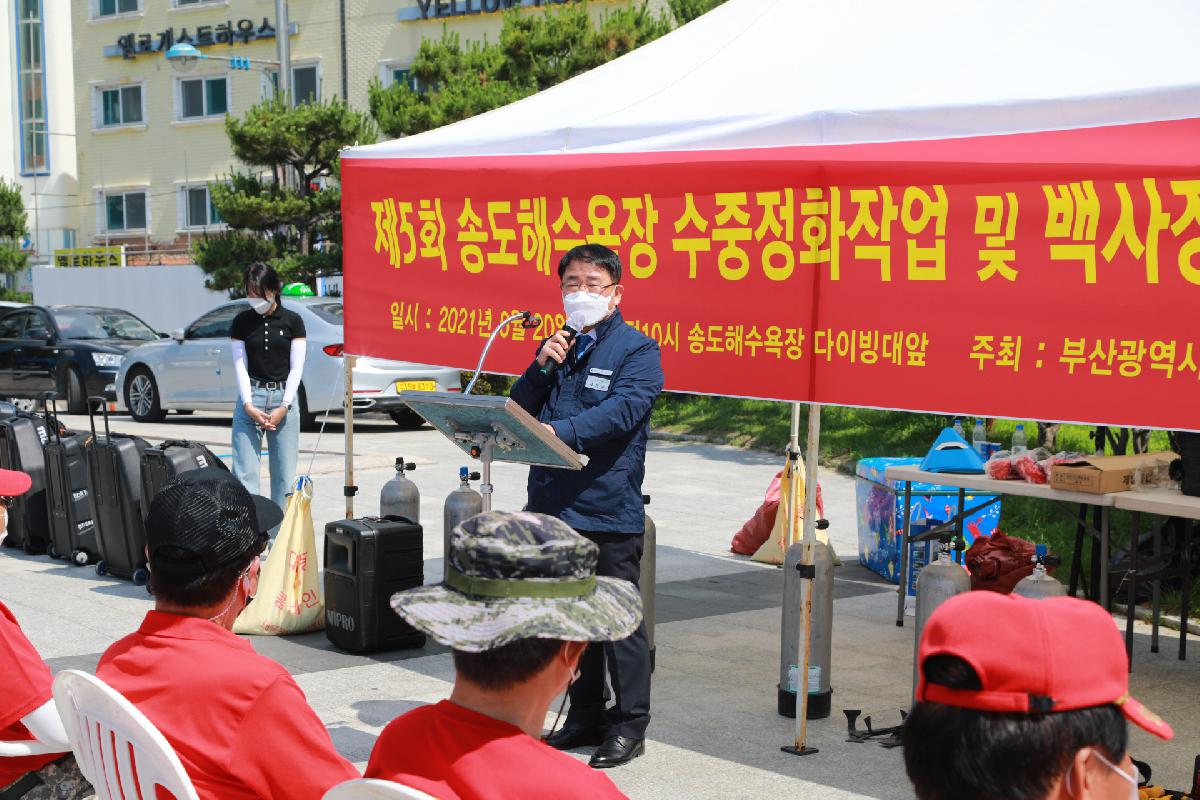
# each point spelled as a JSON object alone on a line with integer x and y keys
{"x": 800, "y": 747}
{"x": 490, "y": 429}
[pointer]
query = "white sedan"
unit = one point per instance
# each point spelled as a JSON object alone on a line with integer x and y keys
{"x": 193, "y": 370}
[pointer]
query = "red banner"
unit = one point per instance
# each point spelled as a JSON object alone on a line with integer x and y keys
{"x": 1041, "y": 276}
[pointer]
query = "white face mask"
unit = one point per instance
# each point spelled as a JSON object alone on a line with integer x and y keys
{"x": 3, "y": 524}
{"x": 261, "y": 304}
{"x": 591, "y": 308}
{"x": 1133, "y": 779}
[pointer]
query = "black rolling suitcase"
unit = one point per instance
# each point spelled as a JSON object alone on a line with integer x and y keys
{"x": 368, "y": 560}
{"x": 114, "y": 463}
{"x": 161, "y": 464}
{"x": 22, "y": 437}
{"x": 68, "y": 493}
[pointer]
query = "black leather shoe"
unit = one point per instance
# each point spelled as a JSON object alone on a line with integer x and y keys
{"x": 572, "y": 736}
{"x": 617, "y": 750}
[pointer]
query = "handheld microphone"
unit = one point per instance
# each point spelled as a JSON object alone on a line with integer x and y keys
{"x": 573, "y": 325}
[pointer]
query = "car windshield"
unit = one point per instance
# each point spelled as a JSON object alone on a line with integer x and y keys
{"x": 78, "y": 323}
{"x": 330, "y": 312}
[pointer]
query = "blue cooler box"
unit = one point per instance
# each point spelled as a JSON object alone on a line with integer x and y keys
{"x": 881, "y": 515}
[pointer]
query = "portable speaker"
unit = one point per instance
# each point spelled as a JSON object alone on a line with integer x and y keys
{"x": 367, "y": 561}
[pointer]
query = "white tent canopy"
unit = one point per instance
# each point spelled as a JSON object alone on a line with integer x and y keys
{"x": 769, "y": 73}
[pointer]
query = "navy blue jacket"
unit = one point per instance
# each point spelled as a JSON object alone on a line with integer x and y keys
{"x": 600, "y": 406}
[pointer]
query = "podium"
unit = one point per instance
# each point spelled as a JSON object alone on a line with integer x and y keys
{"x": 492, "y": 429}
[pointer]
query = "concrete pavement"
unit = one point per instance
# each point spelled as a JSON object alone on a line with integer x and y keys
{"x": 715, "y": 733}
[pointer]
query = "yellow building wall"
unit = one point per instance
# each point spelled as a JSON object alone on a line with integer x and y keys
{"x": 163, "y": 153}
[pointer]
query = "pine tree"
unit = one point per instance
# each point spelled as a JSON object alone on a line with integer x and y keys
{"x": 13, "y": 228}
{"x": 285, "y": 207}
{"x": 534, "y": 51}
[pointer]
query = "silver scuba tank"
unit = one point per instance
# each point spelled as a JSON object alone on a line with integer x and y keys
{"x": 820, "y": 634}
{"x": 1040, "y": 583}
{"x": 400, "y": 496}
{"x": 938, "y": 582}
{"x": 461, "y": 504}
{"x": 649, "y": 577}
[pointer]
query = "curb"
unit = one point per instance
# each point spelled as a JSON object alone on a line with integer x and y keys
{"x": 667, "y": 436}
{"x": 1165, "y": 620}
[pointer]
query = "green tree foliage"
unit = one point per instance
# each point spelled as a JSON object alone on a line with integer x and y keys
{"x": 13, "y": 228}
{"x": 685, "y": 11}
{"x": 285, "y": 206}
{"x": 535, "y": 51}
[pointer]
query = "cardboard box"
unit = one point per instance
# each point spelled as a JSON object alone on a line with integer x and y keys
{"x": 1103, "y": 474}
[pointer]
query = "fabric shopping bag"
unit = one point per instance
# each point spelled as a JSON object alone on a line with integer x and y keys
{"x": 289, "y": 598}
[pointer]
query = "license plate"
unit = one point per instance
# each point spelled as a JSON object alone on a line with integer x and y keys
{"x": 416, "y": 386}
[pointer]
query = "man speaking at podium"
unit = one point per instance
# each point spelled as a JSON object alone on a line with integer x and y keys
{"x": 593, "y": 384}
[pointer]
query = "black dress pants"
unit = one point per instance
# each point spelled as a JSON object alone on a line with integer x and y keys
{"x": 627, "y": 662}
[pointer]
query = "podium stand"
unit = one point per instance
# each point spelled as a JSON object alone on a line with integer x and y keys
{"x": 492, "y": 429}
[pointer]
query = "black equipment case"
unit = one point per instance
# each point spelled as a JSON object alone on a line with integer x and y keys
{"x": 171, "y": 458}
{"x": 115, "y": 465}
{"x": 68, "y": 492}
{"x": 367, "y": 560}
{"x": 22, "y": 437}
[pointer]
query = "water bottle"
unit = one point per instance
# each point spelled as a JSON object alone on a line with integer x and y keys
{"x": 1018, "y": 440}
{"x": 979, "y": 438}
{"x": 958, "y": 428}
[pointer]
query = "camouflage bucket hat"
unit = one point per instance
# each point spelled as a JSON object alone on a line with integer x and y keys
{"x": 519, "y": 575}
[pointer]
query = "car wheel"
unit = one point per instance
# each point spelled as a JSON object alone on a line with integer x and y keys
{"x": 308, "y": 421}
{"x": 141, "y": 396}
{"x": 77, "y": 401}
{"x": 407, "y": 419}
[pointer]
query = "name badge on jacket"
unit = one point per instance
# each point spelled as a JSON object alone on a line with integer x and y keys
{"x": 598, "y": 382}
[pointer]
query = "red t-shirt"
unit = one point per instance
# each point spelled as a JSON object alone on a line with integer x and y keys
{"x": 240, "y": 724}
{"x": 455, "y": 750}
{"x": 26, "y": 686}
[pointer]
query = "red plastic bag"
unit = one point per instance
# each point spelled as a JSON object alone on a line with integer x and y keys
{"x": 758, "y": 528}
{"x": 998, "y": 562}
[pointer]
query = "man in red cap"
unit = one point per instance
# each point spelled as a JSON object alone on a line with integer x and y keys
{"x": 1021, "y": 699}
{"x": 27, "y": 712}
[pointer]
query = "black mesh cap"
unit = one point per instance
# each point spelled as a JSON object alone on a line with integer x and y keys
{"x": 204, "y": 520}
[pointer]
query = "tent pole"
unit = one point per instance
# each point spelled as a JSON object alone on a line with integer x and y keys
{"x": 807, "y": 560}
{"x": 793, "y": 449}
{"x": 350, "y": 489}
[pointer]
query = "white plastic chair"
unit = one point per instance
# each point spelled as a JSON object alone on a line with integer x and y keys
{"x": 370, "y": 789}
{"x": 50, "y": 737}
{"x": 118, "y": 750}
{"x": 32, "y": 747}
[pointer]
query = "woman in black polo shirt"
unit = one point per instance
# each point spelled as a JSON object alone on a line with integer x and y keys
{"x": 268, "y": 358}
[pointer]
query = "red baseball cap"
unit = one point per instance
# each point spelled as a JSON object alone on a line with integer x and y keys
{"x": 1032, "y": 656}
{"x": 13, "y": 483}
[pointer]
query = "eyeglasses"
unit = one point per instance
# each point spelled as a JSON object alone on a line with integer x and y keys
{"x": 6, "y": 501}
{"x": 594, "y": 288}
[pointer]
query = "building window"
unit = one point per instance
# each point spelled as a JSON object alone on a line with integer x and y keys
{"x": 199, "y": 211}
{"x": 109, "y": 8}
{"x": 404, "y": 75}
{"x": 120, "y": 105}
{"x": 31, "y": 78}
{"x": 125, "y": 212}
{"x": 306, "y": 84}
{"x": 203, "y": 97}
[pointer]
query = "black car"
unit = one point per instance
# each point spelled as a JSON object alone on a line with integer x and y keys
{"x": 75, "y": 350}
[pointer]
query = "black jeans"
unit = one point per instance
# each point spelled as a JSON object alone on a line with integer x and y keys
{"x": 626, "y": 662}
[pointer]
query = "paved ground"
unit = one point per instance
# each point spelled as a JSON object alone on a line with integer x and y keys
{"x": 715, "y": 732}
